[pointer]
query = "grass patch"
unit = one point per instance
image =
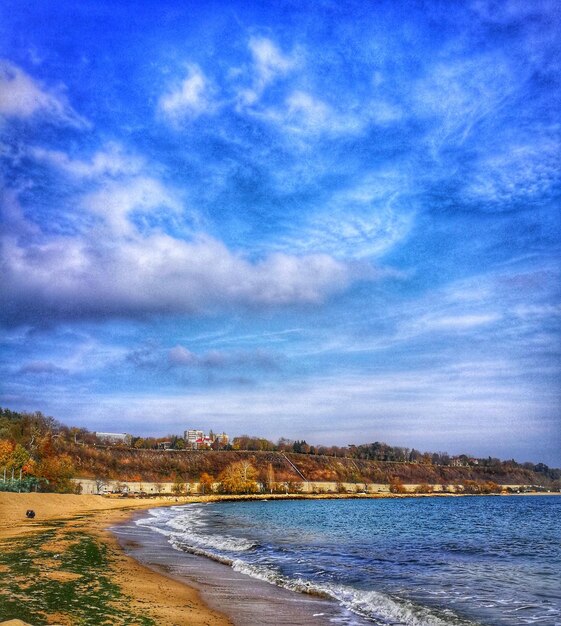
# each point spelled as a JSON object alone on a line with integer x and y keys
{"x": 71, "y": 580}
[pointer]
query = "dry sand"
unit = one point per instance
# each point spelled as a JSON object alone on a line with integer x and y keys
{"x": 165, "y": 600}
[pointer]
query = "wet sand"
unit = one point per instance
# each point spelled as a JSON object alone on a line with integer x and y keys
{"x": 166, "y": 589}
{"x": 165, "y": 600}
{"x": 246, "y": 600}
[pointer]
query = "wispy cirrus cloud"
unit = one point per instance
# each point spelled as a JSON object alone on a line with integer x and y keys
{"x": 451, "y": 323}
{"x": 180, "y": 356}
{"x": 521, "y": 171}
{"x": 40, "y": 368}
{"x": 23, "y": 97}
{"x": 268, "y": 64}
{"x": 112, "y": 161}
{"x": 365, "y": 220}
{"x": 459, "y": 92}
{"x": 188, "y": 98}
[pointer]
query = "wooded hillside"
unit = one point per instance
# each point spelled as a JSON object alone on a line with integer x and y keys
{"x": 47, "y": 454}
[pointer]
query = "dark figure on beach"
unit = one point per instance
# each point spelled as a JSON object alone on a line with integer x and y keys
{"x": 30, "y": 513}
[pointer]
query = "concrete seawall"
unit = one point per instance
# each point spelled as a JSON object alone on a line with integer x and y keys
{"x": 90, "y": 486}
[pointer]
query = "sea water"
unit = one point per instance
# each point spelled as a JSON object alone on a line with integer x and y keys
{"x": 412, "y": 561}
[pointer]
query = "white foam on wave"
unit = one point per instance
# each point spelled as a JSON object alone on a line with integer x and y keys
{"x": 224, "y": 543}
{"x": 184, "y": 530}
{"x": 372, "y": 604}
{"x": 388, "y": 610}
{"x": 380, "y": 607}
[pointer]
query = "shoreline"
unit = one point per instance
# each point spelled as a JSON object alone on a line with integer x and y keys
{"x": 151, "y": 597}
{"x": 159, "y": 597}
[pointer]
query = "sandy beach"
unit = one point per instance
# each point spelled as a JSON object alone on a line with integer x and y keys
{"x": 145, "y": 593}
{"x": 66, "y": 523}
{"x": 60, "y": 518}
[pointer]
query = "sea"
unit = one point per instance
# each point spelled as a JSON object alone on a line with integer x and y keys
{"x": 434, "y": 561}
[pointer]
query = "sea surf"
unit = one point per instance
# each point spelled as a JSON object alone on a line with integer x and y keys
{"x": 492, "y": 561}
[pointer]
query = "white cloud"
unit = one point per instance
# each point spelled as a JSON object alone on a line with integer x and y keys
{"x": 269, "y": 60}
{"x": 304, "y": 111}
{"x": 460, "y": 93}
{"x": 181, "y": 356}
{"x": 115, "y": 202}
{"x": 517, "y": 171}
{"x": 112, "y": 161}
{"x": 159, "y": 274}
{"x": 366, "y": 220}
{"x": 453, "y": 323}
{"x": 536, "y": 311}
{"x": 189, "y": 99}
{"x": 304, "y": 114}
{"x": 269, "y": 63}
{"x": 23, "y": 97}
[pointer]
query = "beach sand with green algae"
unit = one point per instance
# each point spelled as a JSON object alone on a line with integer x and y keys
{"x": 63, "y": 567}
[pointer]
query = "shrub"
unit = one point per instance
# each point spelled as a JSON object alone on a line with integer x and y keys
{"x": 396, "y": 486}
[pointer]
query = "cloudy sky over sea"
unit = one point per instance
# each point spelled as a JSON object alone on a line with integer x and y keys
{"x": 337, "y": 221}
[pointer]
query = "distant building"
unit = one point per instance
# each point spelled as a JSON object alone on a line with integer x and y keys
{"x": 114, "y": 438}
{"x": 197, "y": 440}
{"x": 458, "y": 461}
{"x": 164, "y": 445}
{"x": 222, "y": 440}
{"x": 192, "y": 437}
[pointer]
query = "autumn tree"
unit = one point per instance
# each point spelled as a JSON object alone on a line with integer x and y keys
{"x": 100, "y": 484}
{"x": 58, "y": 470}
{"x": 239, "y": 477}
{"x": 17, "y": 458}
{"x": 178, "y": 487}
{"x": 6, "y": 449}
{"x": 397, "y": 486}
{"x": 206, "y": 483}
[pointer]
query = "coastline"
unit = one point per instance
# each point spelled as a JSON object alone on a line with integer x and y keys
{"x": 151, "y": 597}
{"x": 154, "y": 596}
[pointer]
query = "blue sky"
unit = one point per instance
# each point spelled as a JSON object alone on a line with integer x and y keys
{"x": 324, "y": 220}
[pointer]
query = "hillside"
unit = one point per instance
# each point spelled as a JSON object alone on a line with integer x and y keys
{"x": 37, "y": 452}
{"x": 159, "y": 465}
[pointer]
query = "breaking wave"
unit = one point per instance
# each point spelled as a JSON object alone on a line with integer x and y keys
{"x": 184, "y": 531}
{"x": 454, "y": 562}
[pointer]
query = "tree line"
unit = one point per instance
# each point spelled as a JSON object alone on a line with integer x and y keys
{"x": 46, "y": 454}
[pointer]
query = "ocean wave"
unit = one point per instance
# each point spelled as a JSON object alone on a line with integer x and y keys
{"x": 223, "y": 543}
{"x": 184, "y": 530}
{"x": 379, "y": 607}
{"x": 385, "y": 609}
{"x": 431, "y": 580}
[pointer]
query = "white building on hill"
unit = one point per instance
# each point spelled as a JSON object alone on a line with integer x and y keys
{"x": 197, "y": 439}
{"x": 114, "y": 438}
